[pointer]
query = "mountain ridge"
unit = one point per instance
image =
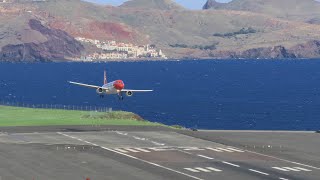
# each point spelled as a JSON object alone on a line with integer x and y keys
{"x": 180, "y": 33}
{"x": 152, "y": 4}
{"x": 302, "y": 10}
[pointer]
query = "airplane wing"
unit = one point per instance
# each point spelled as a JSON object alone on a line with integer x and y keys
{"x": 132, "y": 90}
{"x": 87, "y": 85}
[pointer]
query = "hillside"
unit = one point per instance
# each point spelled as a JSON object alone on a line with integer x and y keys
{"x": 180, "y": 33}
{"x": 152, "y": 4}
{"x": 302, "y": 10}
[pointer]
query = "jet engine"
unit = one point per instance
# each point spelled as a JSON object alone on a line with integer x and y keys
{"x": 129, "y": 93}
{"x": 100, "y": 91}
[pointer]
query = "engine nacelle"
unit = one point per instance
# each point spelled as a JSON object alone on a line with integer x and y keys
{"x": 100, "y": 91}
{"x": 129, "y": 93}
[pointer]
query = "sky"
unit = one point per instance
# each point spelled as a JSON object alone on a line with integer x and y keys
{"x": 191, "y": 4}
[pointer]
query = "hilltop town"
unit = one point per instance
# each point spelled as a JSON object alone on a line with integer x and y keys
{"x": 119, "y": 50}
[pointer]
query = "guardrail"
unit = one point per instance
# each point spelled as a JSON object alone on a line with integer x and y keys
{"x": 57, "y": 106}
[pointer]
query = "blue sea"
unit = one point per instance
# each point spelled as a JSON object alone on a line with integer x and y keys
{"x": 237, "y": 95}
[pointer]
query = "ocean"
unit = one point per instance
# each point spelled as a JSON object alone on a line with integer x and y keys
{"x": 206, "y": 94}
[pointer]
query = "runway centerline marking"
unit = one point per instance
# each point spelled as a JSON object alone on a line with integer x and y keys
{"x": 283, "y": 179}
{"x": 225, "y": 162}
{"x": 132, "y": 157}
{"x": 205, "y": 156}
{"x": 253, "y": 170}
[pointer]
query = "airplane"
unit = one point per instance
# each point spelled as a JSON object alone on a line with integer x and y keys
{"x": 114, "y": 87}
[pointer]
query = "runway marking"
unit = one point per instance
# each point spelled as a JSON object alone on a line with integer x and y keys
{"x": 139, "y": 138}
{"x": 253, "y": 170}
{"x": 296, "y": 169}
{"x": 303, "y": 169}
{"x": 283, "y": 179}
{"x": 132, "y": 150}
{"x": 205, "y": 156}
{"x": 121, "y": 133}
{"x": 162, "y": 149}
{"x": 214, "y": 149}
{"x": 202, "y": 169}
{"x": 234, "y": 149}
{"x": 191, "y": 148}
{"x": 132, "y": 157}
{"x": 192, "y": 170}
{"x": 120, "y": 150}
{"x": 292, "y": 169}
{"x": 228, "y": 149}
{"x": 214, "y": 169}
{"x": 230, "y": 164}
{"x": 140, "y": 149}
{"x": 285, "y": 160}
{"x": 222, "y": 149}
{"x": 159, "y": 144}
{"x": 281, "y": 169}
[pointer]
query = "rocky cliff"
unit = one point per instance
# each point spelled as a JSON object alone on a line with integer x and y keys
{"x": 310, "y": 49}
{"x": 59, "y": 46}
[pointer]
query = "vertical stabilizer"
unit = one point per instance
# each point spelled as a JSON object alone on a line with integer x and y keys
{"x": 105, "y": 77}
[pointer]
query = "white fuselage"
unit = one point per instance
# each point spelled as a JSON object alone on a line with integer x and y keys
{"x": 113, "y": 87}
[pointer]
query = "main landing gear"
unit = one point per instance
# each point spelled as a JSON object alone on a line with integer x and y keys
{"x": 101, "y": 96}
{"x": 120, "y": 97}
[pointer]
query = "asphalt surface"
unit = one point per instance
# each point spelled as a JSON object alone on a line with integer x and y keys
{"x": 80, "y": 152}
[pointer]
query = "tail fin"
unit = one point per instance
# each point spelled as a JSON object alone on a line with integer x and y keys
{"x": 105, "y": 77}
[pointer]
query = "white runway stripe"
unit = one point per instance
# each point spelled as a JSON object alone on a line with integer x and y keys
{"x": 253, "y": 170}
{"x": 129, "y": 149}
{"x": 214, "y": 169}
{"x": 303, "y": 169}
{"x": 237, "y": 150}
{"x": 202, "y": 169}
{"x": 283, "y": 179}
{"x": 205, "y": 156}
{"x": 230, "y": 164}
{"x": 213, "y": 149}
{"x": 192, "y": 170}
{"x": 291, "y": 169}
{"x": 281, "y": 169}
{"x": 120, "y": 150}
{"x": 223, "y": 149}
{"x": 140, "y": 149}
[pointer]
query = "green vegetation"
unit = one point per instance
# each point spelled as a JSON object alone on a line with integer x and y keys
{"x": 16, "y": 116}
{"x": 241, "y": 31}
{"x": 201, "y": 47}
{"x": 177, "y": 127}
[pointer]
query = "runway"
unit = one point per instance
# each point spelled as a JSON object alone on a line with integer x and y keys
{"x": 151, "y": 154}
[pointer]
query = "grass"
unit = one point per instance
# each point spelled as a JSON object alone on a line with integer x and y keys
{"x": 17, "y": 116}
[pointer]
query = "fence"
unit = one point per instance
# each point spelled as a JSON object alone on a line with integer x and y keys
{"x": 57, "y": 106}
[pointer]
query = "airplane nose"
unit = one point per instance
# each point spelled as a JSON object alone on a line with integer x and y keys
{"x": 118, "y": 85}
